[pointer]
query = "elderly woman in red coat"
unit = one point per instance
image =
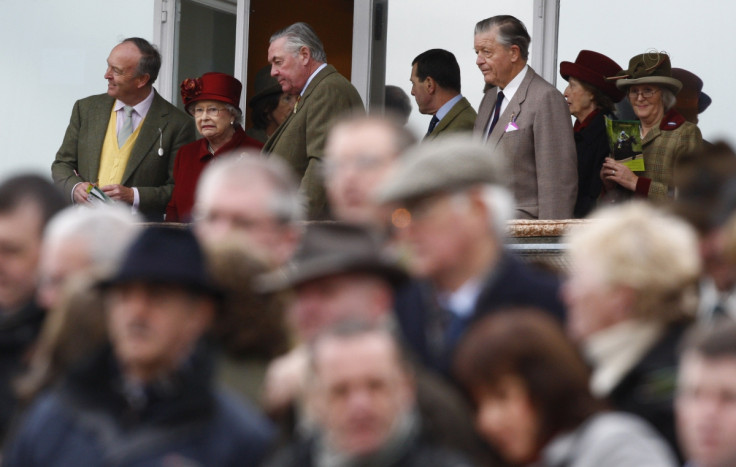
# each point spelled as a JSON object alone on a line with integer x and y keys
{"x": 214, "y": 101}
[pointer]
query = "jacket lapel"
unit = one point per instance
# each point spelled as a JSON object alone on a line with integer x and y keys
{"x": 148, "y": 136}
{"x": 98, "y": 128}
{"x": 513, "y": 108}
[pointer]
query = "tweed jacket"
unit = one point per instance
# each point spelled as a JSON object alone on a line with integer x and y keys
{"x": 300, "y": 139}
{"x": 165, "y": 126}
{"x": 662, "y": 147}
{"x": 461, "y": 117}
{"x": 540, "y": 156}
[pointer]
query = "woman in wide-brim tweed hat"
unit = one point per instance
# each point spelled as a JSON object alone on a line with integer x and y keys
{"x": 665, "y": 134}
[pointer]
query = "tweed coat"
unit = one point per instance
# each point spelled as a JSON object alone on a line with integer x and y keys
{"x": 540, "y": 156}
{"x": 300, "y": 139}
{"x": 661, "y": 148}
{"x": 146, "y": 170}
{"x": 461, "y": 117}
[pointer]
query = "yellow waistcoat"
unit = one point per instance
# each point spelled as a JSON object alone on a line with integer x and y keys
{"x": 113, "y": 160}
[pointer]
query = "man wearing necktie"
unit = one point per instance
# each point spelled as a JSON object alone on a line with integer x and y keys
{"x": 124, "y": 141}
{"x": 526, "y": 122}
{"x": 435, "y": 85}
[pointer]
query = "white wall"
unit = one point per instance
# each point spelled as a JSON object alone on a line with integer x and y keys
{"x": 418, "y": 25}
{"x": 53, "y": 52}
{"x": 697, "y": 35}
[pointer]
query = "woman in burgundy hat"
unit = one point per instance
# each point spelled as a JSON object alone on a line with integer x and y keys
{"x": 214, "y": 101}
{"x": 590, "y": 98}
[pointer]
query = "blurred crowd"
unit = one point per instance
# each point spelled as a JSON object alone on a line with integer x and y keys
{"x": 327, "y": 291}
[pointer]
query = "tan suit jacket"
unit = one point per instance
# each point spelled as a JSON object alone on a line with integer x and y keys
{"x": 540, "y": 156}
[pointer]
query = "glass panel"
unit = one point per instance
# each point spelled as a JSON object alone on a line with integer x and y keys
{"x": 205, "y": 42}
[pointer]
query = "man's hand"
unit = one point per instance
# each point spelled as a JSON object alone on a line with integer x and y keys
{"x": 119, "y": 193}
{"x": 80, "y": 193}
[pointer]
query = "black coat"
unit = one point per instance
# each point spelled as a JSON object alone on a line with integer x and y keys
{"x": 591, "y": 144}
{"x": 512, "y": 283}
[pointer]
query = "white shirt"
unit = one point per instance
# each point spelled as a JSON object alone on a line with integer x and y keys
{"x": 508, "y": 92}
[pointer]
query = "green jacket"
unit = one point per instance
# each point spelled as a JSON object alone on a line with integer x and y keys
{"x": 150, "y": 173}
{"x": 461, "y": 117}
{"x": 300, "y": 140}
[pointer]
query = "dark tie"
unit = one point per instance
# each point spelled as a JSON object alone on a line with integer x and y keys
{"x": 496, "y": 112}
{"x": 432, "y": 124}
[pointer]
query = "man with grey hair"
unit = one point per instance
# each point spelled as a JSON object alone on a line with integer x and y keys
{"x": 298, "y": 62}
{"x": 82, "y": 239}
{"x": 253, "y": 198}
{"x": 451, "y": 213}
{"x": 525, "y": 121}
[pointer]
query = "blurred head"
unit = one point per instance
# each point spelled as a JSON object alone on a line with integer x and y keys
{"x": 83, "y": 239}
{"x": 705, "y": 404}
{"x": 360, "y": 154}
{"x": 251, "y": 197}
{"x": 295, "y": 52}
{"x": 397, "y": 103}
{"x": 362, "y": 387}
{"x": 527, "y": 381}
{"x": 27, "y": 203}
{"x": 623, "y": 267}
{"x": 502, "y": 47}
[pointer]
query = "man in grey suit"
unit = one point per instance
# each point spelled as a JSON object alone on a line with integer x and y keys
{"x": 526, "y": 122}
{"x": 435, "y": 85}
{"x": 124, "y": 141}
{"x": 298, "y": 62}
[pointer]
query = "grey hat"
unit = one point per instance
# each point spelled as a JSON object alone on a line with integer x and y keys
{"x": 444, "y": 164}
{"x": 329, "y": 248}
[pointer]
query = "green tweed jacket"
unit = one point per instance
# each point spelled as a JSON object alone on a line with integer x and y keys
{"x": 662, "y": 146}
{"x": 461, "y": 117}
{"x": 300, "y": 139}
{"x": 164, "y": 127}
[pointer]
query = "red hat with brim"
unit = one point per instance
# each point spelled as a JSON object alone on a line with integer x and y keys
{"x": 593, "y": 68}
{"x": 211, "y": 86}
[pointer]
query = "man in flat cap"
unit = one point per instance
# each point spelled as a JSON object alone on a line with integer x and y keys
{"x": 451, "y": 212}
{"x": 147, "y": 398}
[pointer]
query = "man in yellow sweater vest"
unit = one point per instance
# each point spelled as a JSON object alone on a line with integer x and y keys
{"x": 124, "y": 141}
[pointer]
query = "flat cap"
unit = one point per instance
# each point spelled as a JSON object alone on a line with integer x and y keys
{"x": 444, "y": 164}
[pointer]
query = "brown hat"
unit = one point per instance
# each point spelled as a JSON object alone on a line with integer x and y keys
{"x": 592, "y": 68}
{"x": 264, "y": 85}
{"x": 446, "y": 164}
{"x": 329, "y": 248}
{"x": 212, "y": 87}
{"x": 691, "y": 98}
{"x": 648, "y": 68}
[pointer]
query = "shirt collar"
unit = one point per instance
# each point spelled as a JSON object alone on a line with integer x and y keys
{"x": 580, "y": 125}
{"x": 514, "y": 84}
{"x": 140, "y": 108}
{"x": 314, "y": 73}
{"x": 448, "y": 105}
{"x": 461, "y": 302}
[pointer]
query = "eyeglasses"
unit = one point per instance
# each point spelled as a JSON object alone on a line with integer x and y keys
{"x": 210, "y": 111}
{"x": 645, "y": 93}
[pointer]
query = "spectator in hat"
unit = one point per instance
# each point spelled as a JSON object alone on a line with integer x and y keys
{"x": 340, "y": 274}
{"x": 665, "y": 134}
{"x": 214, "y": 102}
{"x": 591, "y": 99}
{"x": 359, "y": 154}
{"x": 269, "y": 106}
{"x": 451, "y": 212}
{"x": 147, "y": 398}
{"x": 691, "y": 100}
{"x": 254, "y": 199}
